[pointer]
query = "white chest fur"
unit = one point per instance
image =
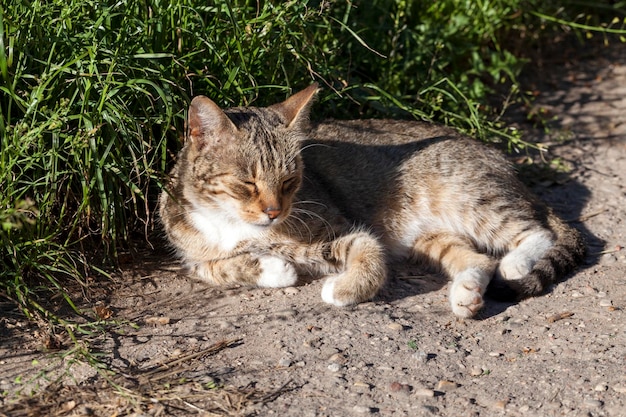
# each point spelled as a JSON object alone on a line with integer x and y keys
{"x": 223, "y": 232}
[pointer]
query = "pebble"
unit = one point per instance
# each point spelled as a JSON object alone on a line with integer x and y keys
{"x": 495, "y": 354}
{"x": 291, "y": 291}
{"x": 361, "y": 409}
{"x": 445, "y": 385}
{"x": 395, "y": 326}
{"x": 399, "y": 388}
{"x": 620, "y": 388}
{"x": 476, "y": 371}
{"x": 590, "y": 402}
{"x": 337, "y": 357}
{"x": 424, "y": 392}
{"x": 284, "y": 362}
{"x": 601, "y": 387}
{"x": 605, "y": 302}
{"x": 225, "y": 325}
{"x": 420, "y": 356}
{"x": 334, "y": 367}
{"x": 500, "y": 405}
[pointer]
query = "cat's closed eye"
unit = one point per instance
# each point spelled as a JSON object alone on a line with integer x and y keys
{"x": 251, "y": 186}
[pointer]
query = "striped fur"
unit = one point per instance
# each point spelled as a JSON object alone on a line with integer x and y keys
{"x": 258, "y": 196}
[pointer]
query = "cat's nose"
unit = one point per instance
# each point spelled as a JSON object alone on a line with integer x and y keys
{"x": 273, "y": 212}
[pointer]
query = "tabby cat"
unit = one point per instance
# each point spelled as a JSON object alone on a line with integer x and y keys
{"x": 260, "y": 195}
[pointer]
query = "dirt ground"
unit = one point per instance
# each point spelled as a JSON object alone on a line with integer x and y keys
{"x": 180, "y": 348}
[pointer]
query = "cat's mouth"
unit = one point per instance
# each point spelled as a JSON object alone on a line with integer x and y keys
{"x": 266, "y": 222}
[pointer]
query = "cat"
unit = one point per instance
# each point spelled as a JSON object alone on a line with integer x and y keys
{"x": 259, "y": 196}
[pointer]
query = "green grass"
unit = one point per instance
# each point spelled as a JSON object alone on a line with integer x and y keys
{"x": 93, "y": 97}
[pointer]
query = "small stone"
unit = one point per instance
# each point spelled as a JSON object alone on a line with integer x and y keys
{"x": 361, "y": 384}
{"x": 424, "y": 392}
{"x": 395, "y": 386}
{"x": 291, "y": 291}
{"x": 620, "y": 388}
{"x": 445, "y": 385}
{"x": 361, "y": 409}
{"x": 161, "y": 320}
{"x": 476, "y": 371}
{"x": 500, "y": 405}
{"x": 420, "y": 356}
{"x": 495, "y": 354}
{"x": 334, "y": 367}
{"x": 284, "y": 362}
{"x": 605, "y": 302}
{"x": 601, "y": 387}
{"x": 337, "y": 357}
{"x": 524, "y": 409}
{"x": 225, "y": 325}
{"x": 576, "y": 294}
{"x": 395, "y": 326}
{"x": 591, "y": 403}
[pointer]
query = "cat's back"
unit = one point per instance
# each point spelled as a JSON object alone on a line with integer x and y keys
{"x": 376, "y": 154}
{"x": 380, "y": 141}
{"x": 375, "y": 170}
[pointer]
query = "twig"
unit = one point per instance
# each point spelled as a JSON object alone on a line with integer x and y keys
{"x": 208, "y": 351}
{"x": 590, "y": 215}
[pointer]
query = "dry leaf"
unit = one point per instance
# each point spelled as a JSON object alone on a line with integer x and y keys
{"x": 103, "y": 312}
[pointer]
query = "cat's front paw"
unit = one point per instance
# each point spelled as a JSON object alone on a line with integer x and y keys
{"x": 341, "y": 291}
{"x": 328, "y": 292}
{"x": 276, "y": 273}
{"x": 466, "y": 294}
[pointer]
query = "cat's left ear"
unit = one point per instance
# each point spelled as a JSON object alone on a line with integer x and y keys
{"x": 207, "y": 124}
{"x": 296, "y": 108}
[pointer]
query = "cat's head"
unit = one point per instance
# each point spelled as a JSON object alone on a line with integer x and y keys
{"x": 245, "y": 162}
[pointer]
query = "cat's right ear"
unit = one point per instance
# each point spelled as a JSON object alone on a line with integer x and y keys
{"x": 207, "y": 123}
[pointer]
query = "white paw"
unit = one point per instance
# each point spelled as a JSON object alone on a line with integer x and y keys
{"x": 466, "y": 292}
{"x": 519, "y": 262}
{"x": 276, "y": 273}
{"x": 514, "y": 267}
{"x": 328, "y": 292}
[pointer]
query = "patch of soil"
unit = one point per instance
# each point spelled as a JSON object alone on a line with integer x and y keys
{"x": 179, "y": 347}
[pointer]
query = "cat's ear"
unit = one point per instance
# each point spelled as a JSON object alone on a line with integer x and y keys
{"x": 296, "y": 108}
{"x": 207, "y": 123}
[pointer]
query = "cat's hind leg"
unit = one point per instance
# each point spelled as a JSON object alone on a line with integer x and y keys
{"x": 469, "y": 270}
{"x": 361, "y": 260}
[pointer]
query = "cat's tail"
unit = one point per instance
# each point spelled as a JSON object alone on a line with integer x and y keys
{"x": 567, "y": 252}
